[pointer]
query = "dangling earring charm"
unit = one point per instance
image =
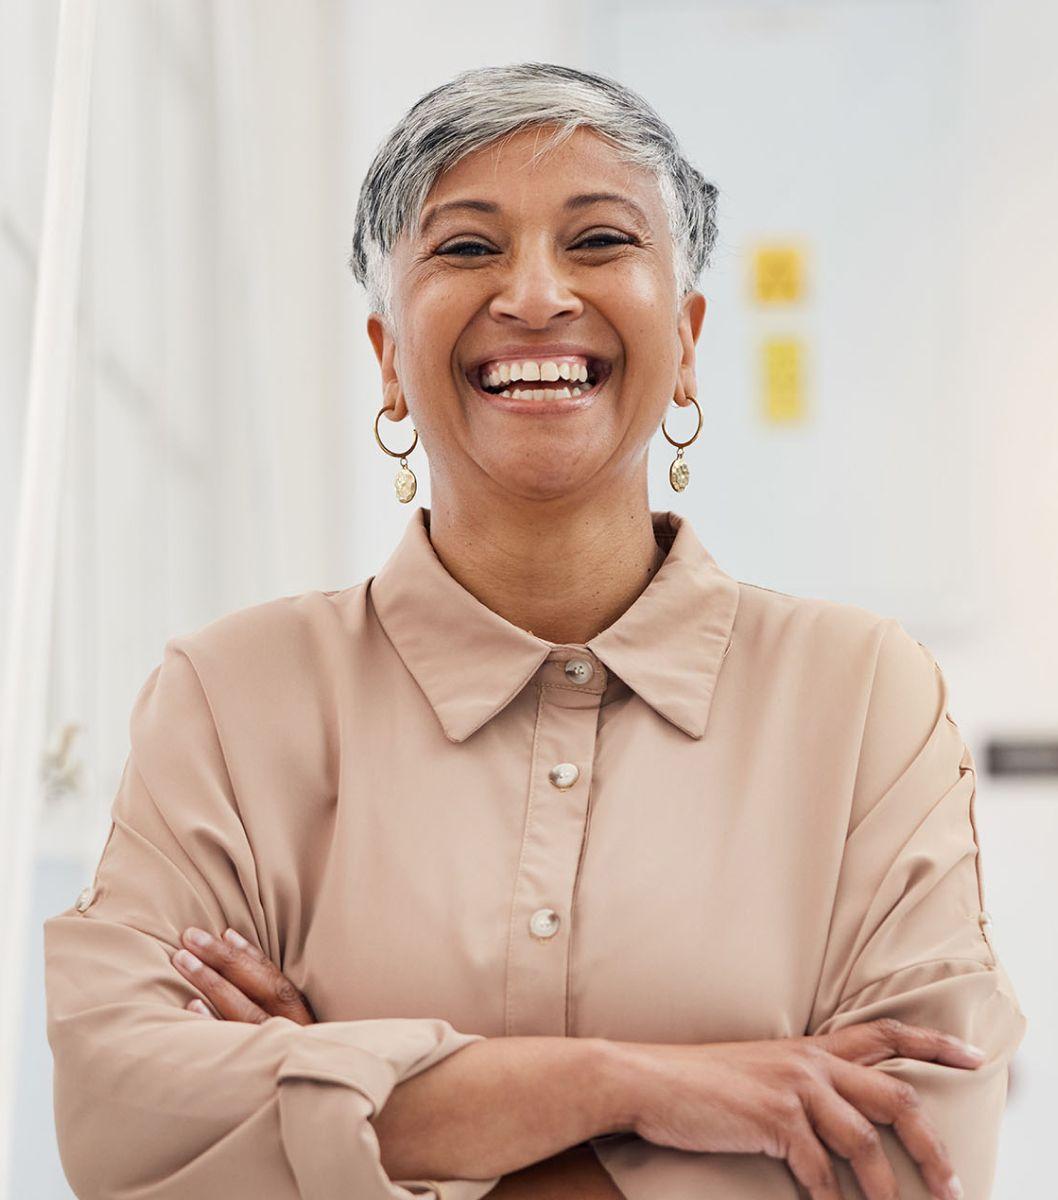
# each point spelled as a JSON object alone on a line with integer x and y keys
{"x": 405, "y": 482}
{"x": 679, "y": 472}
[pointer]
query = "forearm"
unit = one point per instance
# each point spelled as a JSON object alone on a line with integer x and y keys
{"x": 501, "y": 1104}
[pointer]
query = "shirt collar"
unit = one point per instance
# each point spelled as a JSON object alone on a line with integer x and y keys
{"x": 470, "y": 662}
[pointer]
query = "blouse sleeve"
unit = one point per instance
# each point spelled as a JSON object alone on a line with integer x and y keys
{"x": 152, "y": 1100}
{"x": 907, "y": 940}
{"x": 909, "y": 937}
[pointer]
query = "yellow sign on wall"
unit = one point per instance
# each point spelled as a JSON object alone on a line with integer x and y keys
{"x": 782, "y": 368}
{"x": 778, "y": 275}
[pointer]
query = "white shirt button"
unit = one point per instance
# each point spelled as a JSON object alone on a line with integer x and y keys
{"x": 544, "y": 922}
{"x": 564, "y": 775}
{"x": 579, "y": 670}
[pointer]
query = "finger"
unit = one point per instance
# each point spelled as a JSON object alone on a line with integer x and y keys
{"x": 254, "y": 974}
{"x": 871, "y": 1042}
{"x": 230, "y": 1003}
{"x": 926, "y": 1043}
{"x": 895, "y": 1102}
{"x": 849, "y": 1133}
{"x": 200, "y": 1008}
{"x": 281, "y": 996}
{"x": 809, "y": 1160}
{"x": 234, "y": 938}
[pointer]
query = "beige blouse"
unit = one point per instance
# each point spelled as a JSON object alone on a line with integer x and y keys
{"x": 733, "y": 814}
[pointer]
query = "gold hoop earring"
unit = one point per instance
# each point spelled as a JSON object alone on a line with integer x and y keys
{"x": 679, "y": 472}
{"x": 405, "y": 482}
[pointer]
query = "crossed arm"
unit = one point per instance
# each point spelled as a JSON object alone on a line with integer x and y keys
{"x": 501, "y": 1104}
{"x": 151, "y": 1099}
{"x": 564, "y": 1080}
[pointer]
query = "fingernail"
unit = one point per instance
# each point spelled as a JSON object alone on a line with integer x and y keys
{"x": 955, "y": 1188}
{"x": 198, "y": 937}
{"x": 236, "y": 939}
{"x": 198, "y": 1007}
{"x": 975, "y": 1050}
{"x": 186, "y": 959}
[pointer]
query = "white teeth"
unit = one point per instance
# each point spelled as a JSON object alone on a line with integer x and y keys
{"x": 544, "y": 370}
{"x": 541, "y": 393}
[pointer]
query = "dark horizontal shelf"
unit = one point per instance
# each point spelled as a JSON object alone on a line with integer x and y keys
{"x": 1035, "y": 757}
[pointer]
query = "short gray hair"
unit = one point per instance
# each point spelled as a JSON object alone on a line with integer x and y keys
{"x": 478, "y": 106}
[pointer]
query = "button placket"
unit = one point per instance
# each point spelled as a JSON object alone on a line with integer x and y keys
{"x": 555, "y": 824}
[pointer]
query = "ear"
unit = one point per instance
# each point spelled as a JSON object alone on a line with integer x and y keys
{"x": 385, "y": 347}
{"x": 692, "y": 314}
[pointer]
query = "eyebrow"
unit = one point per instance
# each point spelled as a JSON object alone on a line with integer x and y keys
{"x": 573, "y": 204}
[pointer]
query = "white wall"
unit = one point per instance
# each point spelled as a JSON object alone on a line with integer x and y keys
{"x": 1007, "y": 675}
{"x": 27, "y": 59}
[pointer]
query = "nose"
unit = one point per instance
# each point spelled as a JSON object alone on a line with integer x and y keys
{"x": 535, "y": 291}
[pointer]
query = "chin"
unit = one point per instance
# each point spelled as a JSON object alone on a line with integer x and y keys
{"x": 542, "y": 484}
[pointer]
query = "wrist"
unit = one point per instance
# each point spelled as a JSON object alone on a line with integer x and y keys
{"x": 619, "y": 1085}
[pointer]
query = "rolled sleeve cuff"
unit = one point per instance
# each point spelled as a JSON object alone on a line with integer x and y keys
{"x": 334, "y": 1079}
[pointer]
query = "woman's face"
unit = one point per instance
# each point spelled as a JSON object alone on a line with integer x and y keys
{"x": 540, "y": 275}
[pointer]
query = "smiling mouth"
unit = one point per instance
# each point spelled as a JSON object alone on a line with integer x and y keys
{"x": 543, "y": 390}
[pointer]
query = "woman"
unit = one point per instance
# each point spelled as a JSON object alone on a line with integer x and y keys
{"x": 551, "y": 860}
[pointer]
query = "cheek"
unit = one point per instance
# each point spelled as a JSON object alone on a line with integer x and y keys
{"x": 432, "y": 332}
{"x": 640, "y": 304}
{"x": 643, "y": 288}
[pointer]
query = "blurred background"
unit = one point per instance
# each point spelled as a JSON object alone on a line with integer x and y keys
{"x": 187, "y": 389}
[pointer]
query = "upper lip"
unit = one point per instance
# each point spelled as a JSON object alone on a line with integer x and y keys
{"x": 538, "y": 354}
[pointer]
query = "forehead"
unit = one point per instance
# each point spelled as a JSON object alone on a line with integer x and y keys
{"x": 516, "y": 165}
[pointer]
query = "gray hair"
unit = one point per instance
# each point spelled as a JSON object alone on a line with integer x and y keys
{"x": 478, "y": 106}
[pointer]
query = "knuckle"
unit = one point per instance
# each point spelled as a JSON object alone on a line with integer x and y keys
{"x": 285, "y": 992}
{"x": 866, "y": 1140}
{"x": 798, "y": 1066}
{"x": 890, "y": 1027}
{"x": 814, "y": 1052}
{"x": 805, "y": 1071}
{"x": 206, "y": 979}
{"x": 905, "y": 1096}
{"x": 787, "y": 1106}
{"x": 225, "y": 954}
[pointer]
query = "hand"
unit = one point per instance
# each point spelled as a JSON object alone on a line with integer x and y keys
{"x": 240, "y": 981}
{"x": 788, "y": 1096}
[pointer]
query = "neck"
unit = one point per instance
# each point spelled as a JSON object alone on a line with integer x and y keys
{"x": 562, "y": 573}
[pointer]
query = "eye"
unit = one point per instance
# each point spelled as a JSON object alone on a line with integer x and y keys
{"x": 609, "y": 239}
{"x": 606, "y": 239}
{"x": 462, "y": 246}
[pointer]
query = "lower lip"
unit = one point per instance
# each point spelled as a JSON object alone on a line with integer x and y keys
{"x": 545, "y": 408}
